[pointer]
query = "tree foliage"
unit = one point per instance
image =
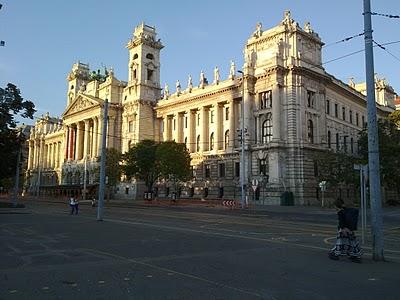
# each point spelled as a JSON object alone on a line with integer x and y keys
{"x": 11, "y": 105}
{"x": 113, "y": 167}
{"x": 389, "y": 149}
{"x": 337, "y": 168}
{"x": 149, "y": 161}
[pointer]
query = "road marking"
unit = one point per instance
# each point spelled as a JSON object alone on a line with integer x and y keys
{"x": 100, "y": 282}
{"x": 126, "y": 279}
{"x": 169, "y": 271}
{"x": 45, "y": 288}
{"x": 12, "y": 291}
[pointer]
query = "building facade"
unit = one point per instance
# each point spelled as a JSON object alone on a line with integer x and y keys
{"x": 289, "y": 105}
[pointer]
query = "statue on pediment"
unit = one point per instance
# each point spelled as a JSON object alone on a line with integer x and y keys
{"x": 216, "y": 75}
{"x": 166, "y": 91}
{"x": 190, "y": 83}
{"x": 178, "y": 87}
{"x": 258, "y": 31}
{"x": 202, "y": 79}
{"x": 232, "y": 70}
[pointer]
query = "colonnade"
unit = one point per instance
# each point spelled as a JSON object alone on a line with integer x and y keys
{"x": 82, "y": 139}
{"x": 195, "y": 126}
{"x": 45, "y": 155}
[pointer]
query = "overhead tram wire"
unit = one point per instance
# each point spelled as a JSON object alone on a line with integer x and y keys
{"x": 384, "y": 48}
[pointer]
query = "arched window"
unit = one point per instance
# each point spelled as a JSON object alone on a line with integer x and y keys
{"x": 149, "y": 56}
{"x": 329, "y": 139}
{"x": 310, "y": 131}
{"x": 135, "y": 56}
{"x": 226, "y": 139}
{"x": 266, "y": 130}
{"x": 212, "y": 141}
{"x": 198, "y": 144}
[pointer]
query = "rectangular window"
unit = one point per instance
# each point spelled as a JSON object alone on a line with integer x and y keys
{"x": 207, "y": 171}
{"x": 310, "y": 99}
{"x": 149, "y": 74}
{"x": 344, "y": 113}
{"x": 328, "y": 107}
{"x": 336, "y": 110}
{"x": 186, "y": 121}
{"x": 221, "y": 170}
{"x": 351, "y": 117}
{"x": 266, "y": 99}
{"x": 198, "y": 119}
{"x": 345, "y": 143}
{"x": 262, "y": 163}
{"x": 363, "y": 121}
{"x": 211, "y": 116}
{"x": 357, "y": 122}
{"x": 130, "y": 125}
{"x": 227, "y": 113}
{"x": 174, "y": 123}
{"x": 237, "y": 169}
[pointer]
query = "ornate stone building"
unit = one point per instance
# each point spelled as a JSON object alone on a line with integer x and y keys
{"x": 292, "y": 108}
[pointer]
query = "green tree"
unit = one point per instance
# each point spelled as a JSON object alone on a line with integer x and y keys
{"x": 389, "y": 149}
{"x": 337, "y": 168}
{"x": 149, "y": 161}
{"x": 11, "y": 105}
{"x": 113, "y": 166}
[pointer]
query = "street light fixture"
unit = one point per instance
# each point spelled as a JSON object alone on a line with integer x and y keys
{"x": 242, "y": 162}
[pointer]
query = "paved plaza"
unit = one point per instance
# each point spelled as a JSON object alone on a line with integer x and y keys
{"x": 184, "y": 252}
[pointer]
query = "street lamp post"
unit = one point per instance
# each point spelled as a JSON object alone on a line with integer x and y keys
{"x": 242, "y": 159}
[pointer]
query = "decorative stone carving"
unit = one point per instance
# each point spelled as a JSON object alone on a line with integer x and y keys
{"x": 178, "y": 88}
{"x": 202, "y": 80}
{"x": 232, "y": 70}
{"x": 258, "y": 32}
{"x": 166, "y": 91}
{"x": 216, "y": 75}
{"x": 190, "y": 83}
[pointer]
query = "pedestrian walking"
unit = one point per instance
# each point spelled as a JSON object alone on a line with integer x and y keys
{"x": 72, "y": 204}
{"x": 76, "y": 206}
{"x": 346, "y": 240}
{"x": 93, "y": 201}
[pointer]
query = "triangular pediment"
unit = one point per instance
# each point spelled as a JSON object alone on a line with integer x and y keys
{"x": 82, "y": 102}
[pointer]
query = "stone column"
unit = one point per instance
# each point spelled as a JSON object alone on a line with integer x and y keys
{"x": 99, "y": 135}
{"x": 276, "y": 113}
{"x": 110, "y": 132}
{"x": 46, "y": 156}
{"x": 30, "y": 155}
{"x": 219, "y": 137}
{"x": 42, "y": 153}
{"x": 204, "y": 129}
{"x": 232, "y": 129}
{"x": 95, "y": 137}
{"x": 70, "y": 142}
{"x": 86, "y": 139}
{"x": 165, "y": 128}
{"x": 78, "y": 141}
{"x": 51, "y": 161}
{"x": 34, "y": 164}
{"x": 66, "y": 142}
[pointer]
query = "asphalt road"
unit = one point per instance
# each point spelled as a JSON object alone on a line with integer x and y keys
{"x": 186, "y": 253}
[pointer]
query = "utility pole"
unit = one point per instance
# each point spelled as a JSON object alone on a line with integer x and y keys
{"x": 242, "y": 159}
{"x": 103, "y": 163}
{"x": 373, "y": 141}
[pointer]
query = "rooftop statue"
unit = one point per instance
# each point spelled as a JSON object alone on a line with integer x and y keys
{"x": 232, "y": 70}
{"x": 216, "y": 75}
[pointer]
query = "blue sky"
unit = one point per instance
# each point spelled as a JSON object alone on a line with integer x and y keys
{"x": 44, "y": 38}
